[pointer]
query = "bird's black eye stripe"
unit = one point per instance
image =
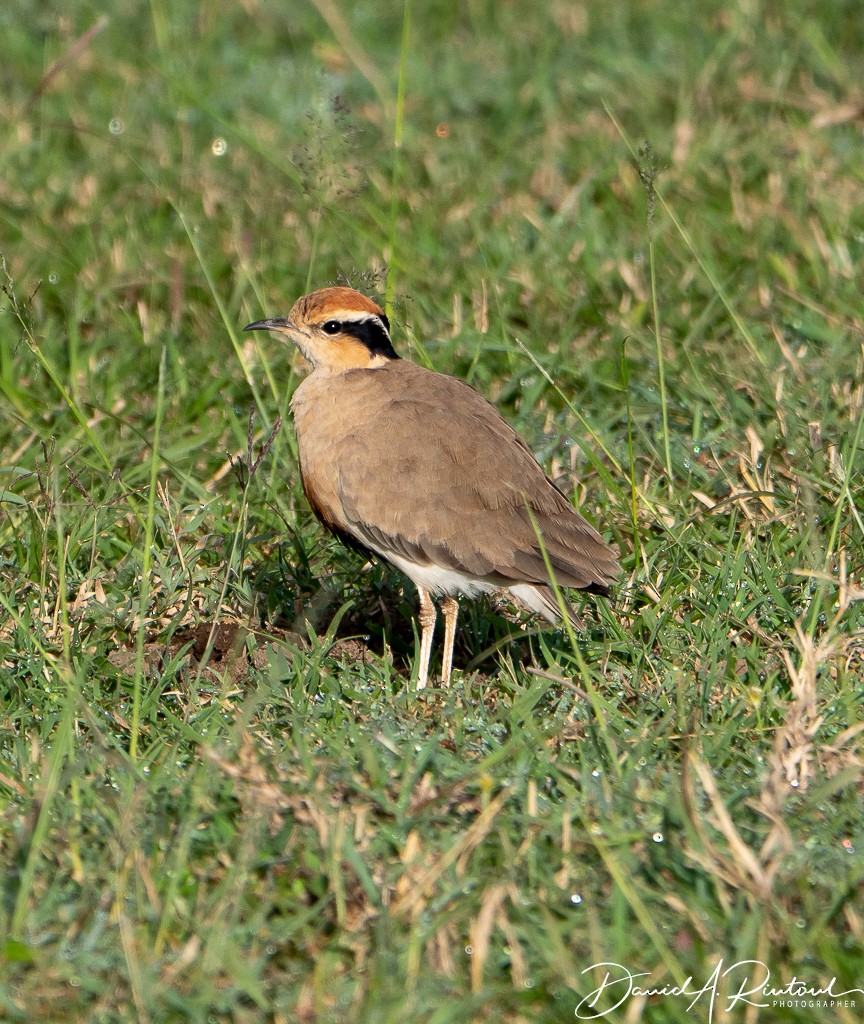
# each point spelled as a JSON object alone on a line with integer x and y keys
{"x": 372, "y": 333}
{"x": 331, "y": 327}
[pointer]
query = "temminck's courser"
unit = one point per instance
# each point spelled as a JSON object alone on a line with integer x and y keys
{"x": 418, "y": 468}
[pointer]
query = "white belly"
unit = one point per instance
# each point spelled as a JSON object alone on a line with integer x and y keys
{"x": 438, "y": 580}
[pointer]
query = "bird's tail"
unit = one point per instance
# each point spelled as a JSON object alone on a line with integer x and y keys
{"x": 541, "y": 600}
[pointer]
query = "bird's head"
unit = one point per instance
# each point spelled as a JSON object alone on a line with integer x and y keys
{"x": 336, "y": 329}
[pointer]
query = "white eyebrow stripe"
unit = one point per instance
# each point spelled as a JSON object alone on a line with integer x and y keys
{"x": 352, "y": 315}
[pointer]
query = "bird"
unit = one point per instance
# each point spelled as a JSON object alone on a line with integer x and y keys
{"x": 416, "y": 467}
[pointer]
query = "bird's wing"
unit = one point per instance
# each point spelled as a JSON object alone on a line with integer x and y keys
{"x": 435, "y": 475}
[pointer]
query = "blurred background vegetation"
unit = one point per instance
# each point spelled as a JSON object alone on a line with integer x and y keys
{"x": 222, "y": 800}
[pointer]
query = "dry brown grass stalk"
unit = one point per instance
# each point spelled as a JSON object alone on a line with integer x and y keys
{"x": 789, "y": 766}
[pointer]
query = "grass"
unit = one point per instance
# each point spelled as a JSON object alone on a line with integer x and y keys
{"x": 222, "y": 799}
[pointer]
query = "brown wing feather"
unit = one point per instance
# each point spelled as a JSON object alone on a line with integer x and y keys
{"x": 418, "y": 463}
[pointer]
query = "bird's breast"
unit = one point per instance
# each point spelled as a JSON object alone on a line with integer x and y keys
{"x": 325, "y": 414}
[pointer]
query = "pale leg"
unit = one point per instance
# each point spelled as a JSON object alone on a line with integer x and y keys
{"x": 427, "y": 618}
{"x": 450, "y": 608}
